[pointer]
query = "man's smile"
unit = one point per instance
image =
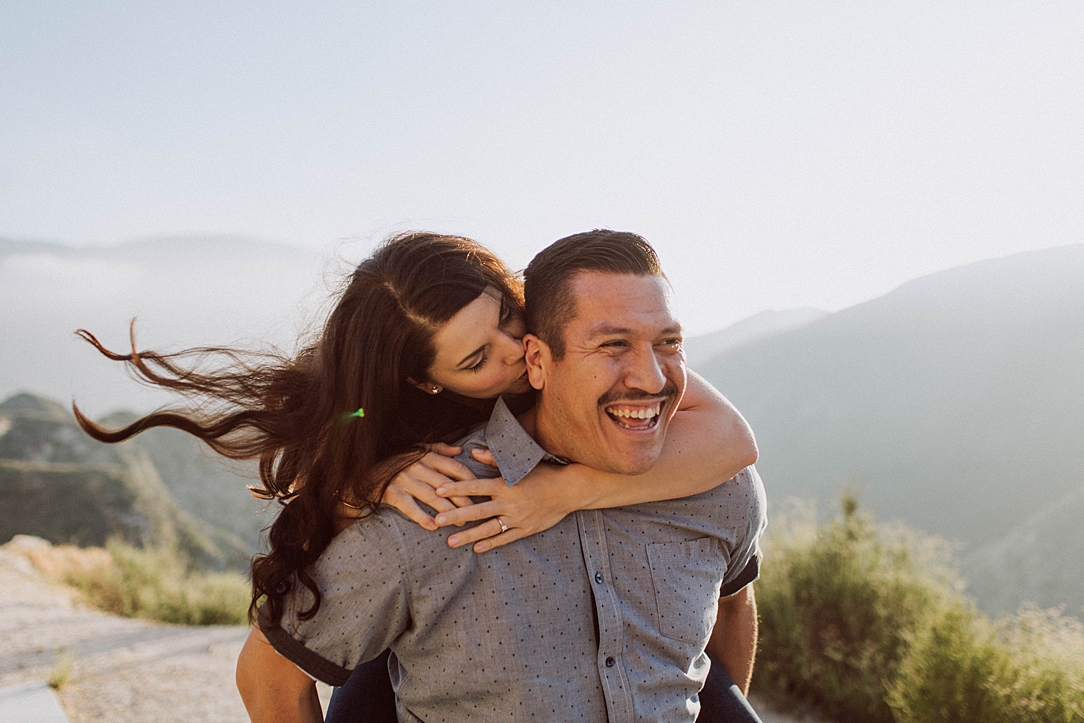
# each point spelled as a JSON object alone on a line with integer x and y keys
{"x": 640, "y": 417}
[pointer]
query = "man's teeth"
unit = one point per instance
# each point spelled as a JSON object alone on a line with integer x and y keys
{"x": 641, "y": 413}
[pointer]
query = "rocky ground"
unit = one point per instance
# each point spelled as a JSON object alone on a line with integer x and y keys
{"x": 118, "y": 669}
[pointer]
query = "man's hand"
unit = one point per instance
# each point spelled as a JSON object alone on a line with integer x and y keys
{"x": 273, "y": 689}
{"x": 733, "y": 641}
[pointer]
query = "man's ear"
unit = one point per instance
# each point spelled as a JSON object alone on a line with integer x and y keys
{"x": 539, "y": 359}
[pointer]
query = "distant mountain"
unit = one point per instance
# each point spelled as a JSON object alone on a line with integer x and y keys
{"x": 58, "y": 483}
{"x": 185, "y": 291}
{"x": 1038, "y": 561}
{"x": 760, "y": 326}
{"x": 205, "y": 485}
{"x": 955, "y": 403}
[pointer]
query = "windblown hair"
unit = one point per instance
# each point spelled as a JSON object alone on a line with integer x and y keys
{"x": 299, "y": 416}
{"x": 548, "y": 278}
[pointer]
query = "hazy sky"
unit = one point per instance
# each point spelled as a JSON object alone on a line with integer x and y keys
{"x": 777, "y": 154}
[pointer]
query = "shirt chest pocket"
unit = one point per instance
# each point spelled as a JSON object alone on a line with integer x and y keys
{"x": 686, "y": 577}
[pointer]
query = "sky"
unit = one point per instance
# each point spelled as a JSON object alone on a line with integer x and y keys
{"x": 777, "y": 154}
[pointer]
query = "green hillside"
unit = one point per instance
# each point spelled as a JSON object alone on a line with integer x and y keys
{"x": 57, "y": 483}
{"x": 203, "y": 484}
{"x": 955, "y": 403}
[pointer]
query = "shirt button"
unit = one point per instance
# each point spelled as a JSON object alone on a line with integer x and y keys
{"x": 609, "y": 662}
{"x": 598, "y": 577}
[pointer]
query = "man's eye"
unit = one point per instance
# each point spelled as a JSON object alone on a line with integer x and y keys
{"x": 615, "y": 344}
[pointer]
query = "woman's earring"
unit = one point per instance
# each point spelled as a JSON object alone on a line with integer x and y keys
{"x": 434, "y": 389}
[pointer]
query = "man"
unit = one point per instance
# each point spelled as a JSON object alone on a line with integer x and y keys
{"x": 604, "y": 616}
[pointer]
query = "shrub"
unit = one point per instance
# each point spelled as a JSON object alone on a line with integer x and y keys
{"x": 865, "y": 623}
{"x": 1025, "y": 669}
{"x": 839, "y": 606}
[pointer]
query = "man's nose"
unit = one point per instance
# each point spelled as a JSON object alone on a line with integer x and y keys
{"x": 645, "y": 372}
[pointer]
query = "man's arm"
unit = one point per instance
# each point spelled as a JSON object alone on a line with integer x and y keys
{"x": 733, "y": 641}
{"x": 272, "y": 687}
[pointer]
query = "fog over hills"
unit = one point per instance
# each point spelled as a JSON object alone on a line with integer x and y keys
{"x": 955, "y": 403}
{"x": 184, "y": 291}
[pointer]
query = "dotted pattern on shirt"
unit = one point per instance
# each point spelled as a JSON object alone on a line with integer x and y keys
{"x": 509, "y": 636}
{"x": 503, "y": 636}
{"x": 672, "y": 587}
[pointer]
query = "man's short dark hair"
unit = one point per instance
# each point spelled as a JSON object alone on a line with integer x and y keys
{"x": 548, "y": 278}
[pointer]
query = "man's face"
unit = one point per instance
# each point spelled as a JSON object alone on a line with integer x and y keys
{"x": 609, "y": 401}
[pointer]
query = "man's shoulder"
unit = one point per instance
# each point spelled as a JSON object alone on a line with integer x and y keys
{"x": 742, "y": 489}
{"x": 388, "y": 531}
{"x": 735, "y": 502}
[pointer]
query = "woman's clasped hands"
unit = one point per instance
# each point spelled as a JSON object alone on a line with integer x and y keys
{"x": 536, "y": 503}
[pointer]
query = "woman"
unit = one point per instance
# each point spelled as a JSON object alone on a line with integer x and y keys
{"x": 423, "y": 338}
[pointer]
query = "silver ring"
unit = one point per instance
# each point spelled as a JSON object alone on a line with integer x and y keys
{"x": 504, "y": 527}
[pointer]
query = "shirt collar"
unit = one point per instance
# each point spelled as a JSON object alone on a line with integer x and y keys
{"x": 515, "y": 451}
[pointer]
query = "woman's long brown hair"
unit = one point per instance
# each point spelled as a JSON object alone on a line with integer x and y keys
{"x": 299, "y": 415}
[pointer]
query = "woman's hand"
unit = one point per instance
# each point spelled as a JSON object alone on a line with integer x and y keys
{"x": 418, "y": 483}
{"x": 535, "y": 503}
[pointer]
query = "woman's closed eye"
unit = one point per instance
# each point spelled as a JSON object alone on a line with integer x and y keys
{"x": 477, "y": 366}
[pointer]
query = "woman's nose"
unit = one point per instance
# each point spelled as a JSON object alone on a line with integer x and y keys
{"x": 511, "y": 350}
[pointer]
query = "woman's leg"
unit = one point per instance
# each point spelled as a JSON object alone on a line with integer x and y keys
{"x": 367, "y": 696}
{"x": 721, "y": 701}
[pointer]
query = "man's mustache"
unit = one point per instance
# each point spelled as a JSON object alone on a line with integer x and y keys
{"x": 668, "y": 392}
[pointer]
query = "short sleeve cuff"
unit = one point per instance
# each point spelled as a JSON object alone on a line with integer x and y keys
{"x": 746, "y": 576}
{"x": 309, "y": 661}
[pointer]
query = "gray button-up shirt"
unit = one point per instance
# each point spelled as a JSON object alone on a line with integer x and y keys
{"x": 604, "y": 616}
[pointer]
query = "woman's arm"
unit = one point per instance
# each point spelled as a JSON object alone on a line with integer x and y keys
{"x": 708, "y": 442}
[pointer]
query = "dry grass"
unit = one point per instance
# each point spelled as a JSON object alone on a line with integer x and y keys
{"x": 151, "y": 583}
{"x": 61, "y": 561}
{"x": 61, "y": 672}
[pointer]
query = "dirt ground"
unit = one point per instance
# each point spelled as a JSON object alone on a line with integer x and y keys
{"x": 114, "y": 669}
{"x": 117, "y": 669}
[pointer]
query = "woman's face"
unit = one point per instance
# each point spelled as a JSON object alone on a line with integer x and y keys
{"x": 479, "y": 352}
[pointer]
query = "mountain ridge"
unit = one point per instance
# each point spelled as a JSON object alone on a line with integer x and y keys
{"x": 60, "y": 484}
{"x": 953, "y": 403}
